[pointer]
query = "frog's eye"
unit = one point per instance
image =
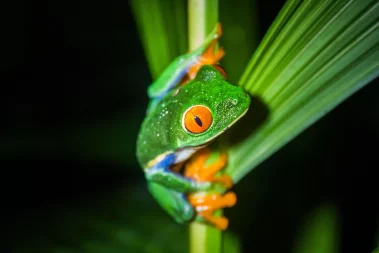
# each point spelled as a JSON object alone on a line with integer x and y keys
{"x": 221, "y": 70}
{"x": 197, "y": 119}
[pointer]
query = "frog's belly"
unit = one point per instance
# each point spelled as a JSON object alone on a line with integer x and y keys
{"x": 185, "y": 153}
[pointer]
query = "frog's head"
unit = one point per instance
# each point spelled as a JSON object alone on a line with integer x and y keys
{"x": 206, "y": 107}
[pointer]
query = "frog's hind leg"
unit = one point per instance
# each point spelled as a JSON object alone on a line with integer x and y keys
{"x": 205, "y": 206}
{"x": 175, "y": 203}
{"x": 174, "y": 73}
{"x": 210, "y": 56}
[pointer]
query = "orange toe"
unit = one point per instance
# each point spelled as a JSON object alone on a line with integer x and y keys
{"x": 221, "y": 222}
{"x": 195, "y": 167}
{"x": 229, "y": 199}
{"x": 213, "y": 201}
{"x": 210, "y": 56}
{"x": 206, "y": 205}
{"x": 224, "y": 179}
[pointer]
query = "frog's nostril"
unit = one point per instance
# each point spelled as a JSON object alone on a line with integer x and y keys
{"x": 234, "y": 101}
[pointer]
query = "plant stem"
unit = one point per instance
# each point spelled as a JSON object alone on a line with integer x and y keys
{"x": 202, "y": 17}
{"x": 205, "y": 239}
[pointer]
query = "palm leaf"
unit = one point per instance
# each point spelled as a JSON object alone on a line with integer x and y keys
{"x": 315, "y": 55}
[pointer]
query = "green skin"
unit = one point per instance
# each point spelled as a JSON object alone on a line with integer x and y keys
{"x": 163, "y": 141}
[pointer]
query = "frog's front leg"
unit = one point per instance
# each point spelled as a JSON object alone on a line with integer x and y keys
{"x": 161, "y": 174}
{"x": 195, "y": 168}
{"x": 178, "y": 69}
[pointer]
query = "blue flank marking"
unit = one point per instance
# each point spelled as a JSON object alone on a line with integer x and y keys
{"x": 165, "y": 163}
{"x": 183, "y": 196}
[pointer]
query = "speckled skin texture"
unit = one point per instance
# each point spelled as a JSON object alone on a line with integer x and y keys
{"x": 162, "y": 129}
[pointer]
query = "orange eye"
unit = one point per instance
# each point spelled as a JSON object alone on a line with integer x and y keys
{"x": 197, "y": 119}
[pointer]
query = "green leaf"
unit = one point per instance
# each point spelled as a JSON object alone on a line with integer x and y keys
{"x": 163, "y": 31}
{"x": 315, "y": 55}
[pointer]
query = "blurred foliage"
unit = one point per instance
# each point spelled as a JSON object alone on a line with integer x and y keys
{"x": 320, "y": 232}
{"x": 162, "y": 28}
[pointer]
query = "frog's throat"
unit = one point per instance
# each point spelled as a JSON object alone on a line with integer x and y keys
{"x": 185, "y": 153}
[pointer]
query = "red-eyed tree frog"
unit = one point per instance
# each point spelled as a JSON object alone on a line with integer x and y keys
{"x": 191, "y": 104}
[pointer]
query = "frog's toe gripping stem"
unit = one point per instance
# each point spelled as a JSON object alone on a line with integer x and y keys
{"x": 205, "y": 205}
{"x": 211, "y": 55}
{"x": 195, "y": 168}
{"x": 177, "y": 71}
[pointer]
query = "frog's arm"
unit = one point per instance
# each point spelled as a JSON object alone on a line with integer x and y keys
{"x": 174, "y": 73}
{"x": 161, "y": 174}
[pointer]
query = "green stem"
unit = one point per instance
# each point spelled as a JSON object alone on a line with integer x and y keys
{"x": 202, "y": 18}
{"x": 204, "y": 238}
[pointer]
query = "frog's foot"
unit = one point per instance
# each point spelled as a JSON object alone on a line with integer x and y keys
{"x": 210, "y": 56}
{"x": 195, "y": 168}
{"x": 205, "y": 205}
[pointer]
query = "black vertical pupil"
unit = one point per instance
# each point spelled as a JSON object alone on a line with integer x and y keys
{"x": 198, "y": 121}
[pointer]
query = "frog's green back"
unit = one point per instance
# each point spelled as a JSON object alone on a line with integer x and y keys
{"x": 162, "y": 129}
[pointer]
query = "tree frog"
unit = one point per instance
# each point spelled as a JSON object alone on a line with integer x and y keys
{"x": 184, "y": 117}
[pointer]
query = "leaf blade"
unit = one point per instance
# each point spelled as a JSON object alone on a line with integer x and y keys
{"x": 323, "y": 64}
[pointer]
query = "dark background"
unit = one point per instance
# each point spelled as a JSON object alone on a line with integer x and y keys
{"x": 74, "y": 65}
